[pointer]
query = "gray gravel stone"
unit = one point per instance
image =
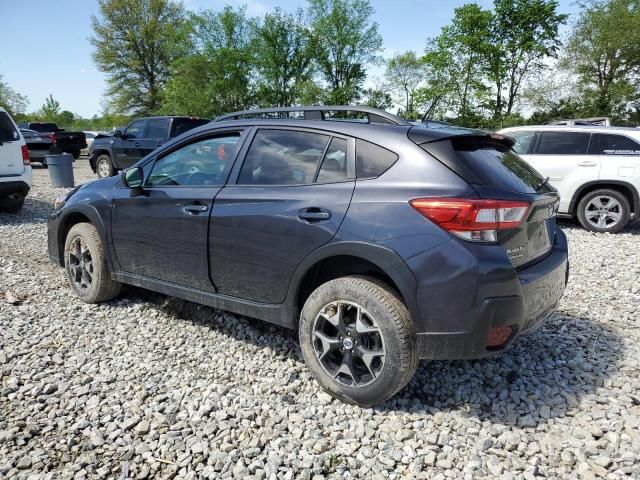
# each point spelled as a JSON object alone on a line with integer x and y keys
{"x": 147, "y": 386}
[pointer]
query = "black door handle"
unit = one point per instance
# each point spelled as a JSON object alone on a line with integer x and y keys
{"x": 194, "y": 209}
{"x": 314, "y": 214}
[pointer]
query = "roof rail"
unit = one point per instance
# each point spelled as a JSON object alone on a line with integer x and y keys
{"x": 317, "y": 112}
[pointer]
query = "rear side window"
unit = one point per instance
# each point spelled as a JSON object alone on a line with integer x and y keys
{"x": 563, "y": 143}
{"x": 8, "y": 132}
{"x": 158, "y": 128}
{"x": 496, "y": 165}
{"x": 372, "y": 160}
{"x": 283, "y": 157}
{"x": 181, "y": 125}
{"x": 334, "y": 165}
{"x": 607, "y": 144}
{"x": 523, "y": 141}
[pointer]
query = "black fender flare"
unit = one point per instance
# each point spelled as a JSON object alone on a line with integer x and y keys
{"x": 635, "y": 206}
{"x": 384, "y": 258}
{"x": 90, "y": 212}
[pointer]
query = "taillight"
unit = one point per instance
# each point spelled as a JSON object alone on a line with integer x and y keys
{"x": 472, "y": 219}
{"x": 25, "y": 155}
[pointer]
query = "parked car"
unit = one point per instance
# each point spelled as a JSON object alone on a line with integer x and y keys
{"x": 39, "y": 145}
{"x": 15, "y": 169}
{"x": 125, "y": 147}
{"x": 382, "y": 242}
{"x": 64, "y": 142}
{"x": 90, "y": 136}
{"x": 595, "y": 169}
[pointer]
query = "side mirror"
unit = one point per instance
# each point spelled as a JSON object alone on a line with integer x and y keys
{"x": 133, "y": 177}
{"x": 118, "y": 134}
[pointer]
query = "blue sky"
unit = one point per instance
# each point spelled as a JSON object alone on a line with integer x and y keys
{"x": 46, "y": 50}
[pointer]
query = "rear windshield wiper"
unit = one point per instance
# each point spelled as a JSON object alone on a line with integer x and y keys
{"x": 544, "y": 182}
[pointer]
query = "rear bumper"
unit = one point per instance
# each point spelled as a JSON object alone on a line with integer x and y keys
{"x": 532, "y": 294}
{"x": 12, "y": 187}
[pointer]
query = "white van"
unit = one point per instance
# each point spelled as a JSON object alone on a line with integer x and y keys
{"x": 595, "y": 169}
{"x": 15, "y": 168}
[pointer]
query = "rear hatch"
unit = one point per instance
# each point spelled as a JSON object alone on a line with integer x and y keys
{"x": 496, "y": 172}
{"x": 10, "y": 147}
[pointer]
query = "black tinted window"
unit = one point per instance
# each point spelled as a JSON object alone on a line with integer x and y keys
{"x": 136, "y": 129}
{"x": 496, "y": 165}
{"x": 334, "y": 165}
{"x": 8, "y": 132}
{"x": 181, "y": 125}
{"x": 563, "y": 143}
{"x": 283, "y": 157}
{"x": 197, "y": 164}
{"x": 158, "y": 128}
{"x": 372, "y": 160}
{"x": 616, "y": 145}
{"x": 523, "y": 141}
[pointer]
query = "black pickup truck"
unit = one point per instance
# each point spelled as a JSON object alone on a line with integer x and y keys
{"x": 63, "y": 141}
{"x": 142, "y": 136}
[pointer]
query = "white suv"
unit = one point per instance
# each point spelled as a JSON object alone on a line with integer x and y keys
{"x": 15, "y": 168}
{"x": 595, "y": 169}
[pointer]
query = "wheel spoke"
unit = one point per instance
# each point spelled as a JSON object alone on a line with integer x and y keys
{"x": 602, "y": 222}
{"x": 328, "y": 343}
{"x": 597, "y": 202}
{"x": 361, "y": 327}
{"x": 346, "y": 368}
{"x": 614, "y": 216}
{"x": 367, "y": 356}
{"x": 591, "y": 213}
{"x": 613, "y": 204}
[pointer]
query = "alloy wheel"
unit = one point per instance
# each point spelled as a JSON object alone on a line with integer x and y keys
{"x": 80, "y": 264}
{"x": 104, "y": 169}
{"x": 348, "y": 343}
{"x": 603, "y": 211}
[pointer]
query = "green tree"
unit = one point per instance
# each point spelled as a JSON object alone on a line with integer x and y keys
{"x": 345, "y": 41}
{"x": 50, "y": 109}
{"x": 12, "y": 101}
{"x": 406, "y": 72}
{"x": 524, "y": 33}
{"x": 283, "y": 58}
{"x": 604, "y": 51}
{"x": 217, "y": 76}
{"x": 376, "y": 97}
{"x": 135, "y": 42}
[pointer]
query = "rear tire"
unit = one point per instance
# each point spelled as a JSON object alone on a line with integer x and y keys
{"x": 12, "y": 203}
{"x": 104, "y": 167}
{"x": 604, "y": 211}
{"x": 365, "y": 362}
{"x": 86, "y": 265}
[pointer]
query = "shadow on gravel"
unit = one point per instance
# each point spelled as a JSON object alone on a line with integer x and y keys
{"x": 543, "y": 375}
{"x": 33, "y": 211}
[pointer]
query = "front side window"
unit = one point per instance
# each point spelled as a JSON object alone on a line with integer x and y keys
{"x": 616, "y": 145}
{"x": 283, "y": 157}
{"x": 201, "y": 163}
{"x": 564, "y": 143}
{"x": 136, "y": 129}
{"x": 523, "y": 141}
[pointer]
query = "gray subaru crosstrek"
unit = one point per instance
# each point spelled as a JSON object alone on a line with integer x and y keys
{"x": 380, "y": 241}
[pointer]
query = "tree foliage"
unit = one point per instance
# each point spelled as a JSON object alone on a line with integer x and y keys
{"x": 406, "y": 72}
{"x": 12, "y": 101}
{"x": 345, "y": 41}
{"x": 50, "y": 109}
{"x": 135, "y": 42}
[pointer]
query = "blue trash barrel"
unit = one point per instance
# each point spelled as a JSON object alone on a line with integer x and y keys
{"x": 61, "y": 170}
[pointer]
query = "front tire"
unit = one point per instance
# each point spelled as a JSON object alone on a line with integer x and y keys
{"x": 358, "y": 340}
{"x": 104, "y": 167}
{"x": 604, "y": 211}
{"x": 86, "y": 265}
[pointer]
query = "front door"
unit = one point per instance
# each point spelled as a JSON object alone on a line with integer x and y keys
{"x": 291, "y": 195}
{"x": 127, "y": 148}
{"x": 161, "y": 230}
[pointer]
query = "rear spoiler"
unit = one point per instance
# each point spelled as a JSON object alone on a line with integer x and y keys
{"x": 422, "y": 134}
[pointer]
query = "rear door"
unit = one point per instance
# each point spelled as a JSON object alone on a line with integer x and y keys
{"x": 161, "y": 231}
{"x": 127, "y": 148}
{"x": 290, "y": 196}
{"x": 10, "y": 147}
{"x": 566, "y": 158}
{"x": 619, "y": 156}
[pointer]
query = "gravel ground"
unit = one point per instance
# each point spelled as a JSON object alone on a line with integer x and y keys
{"x": 149, "y": 386}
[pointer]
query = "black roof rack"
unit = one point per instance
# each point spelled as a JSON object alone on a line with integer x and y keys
{"x": 317, "y": 112}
